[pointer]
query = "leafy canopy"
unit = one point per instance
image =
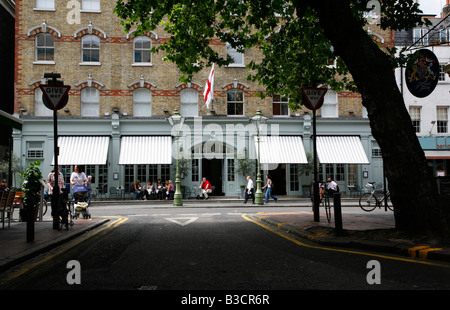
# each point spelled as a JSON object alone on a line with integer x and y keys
{"x": 295, "y": 50}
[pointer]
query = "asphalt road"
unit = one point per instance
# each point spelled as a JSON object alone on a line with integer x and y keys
{"x": 211, "y": 249}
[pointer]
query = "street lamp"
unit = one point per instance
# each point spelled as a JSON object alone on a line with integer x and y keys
{"x": 176, "y": 120}
{"x": 258, "y": 120}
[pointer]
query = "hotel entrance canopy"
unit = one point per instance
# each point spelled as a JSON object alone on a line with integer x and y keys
{"x": 341, "y": 150}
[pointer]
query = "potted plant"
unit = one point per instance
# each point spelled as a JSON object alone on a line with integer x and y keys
{"x": 31, "y": 196}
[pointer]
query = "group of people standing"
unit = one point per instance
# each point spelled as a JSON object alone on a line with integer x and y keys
{"x": 158, "y": 191}
{"x": 250, "y": 190}
{"x": 78, "y": 177}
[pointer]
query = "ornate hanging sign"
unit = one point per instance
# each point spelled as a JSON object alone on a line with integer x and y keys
{"x": 422, "y": 73}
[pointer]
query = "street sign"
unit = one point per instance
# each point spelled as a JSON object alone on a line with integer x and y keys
{"x": 55, "y": 97}
{"x": 314, "y": 97}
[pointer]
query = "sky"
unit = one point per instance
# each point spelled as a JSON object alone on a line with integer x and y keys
{"x": 432, "y": 6}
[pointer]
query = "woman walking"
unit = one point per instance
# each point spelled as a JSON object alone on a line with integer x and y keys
{"x": 269, "y": 186}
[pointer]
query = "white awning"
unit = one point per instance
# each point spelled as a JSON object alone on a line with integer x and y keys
{"x": 432, "y": 154}
{"x": 341, "y": 150}
{"x": 281, "y": 150}
{"x": 145, "y": 150}
{"x": 82, "y": 150}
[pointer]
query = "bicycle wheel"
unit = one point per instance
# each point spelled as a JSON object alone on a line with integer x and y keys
{"x": 367, "y": 202}
{"x": 328, "y": 208}
{"x": 389, "y": 203}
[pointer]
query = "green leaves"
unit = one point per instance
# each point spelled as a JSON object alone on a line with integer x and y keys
{"x": 288, "y": 34}
{"x": 31, "y": 185}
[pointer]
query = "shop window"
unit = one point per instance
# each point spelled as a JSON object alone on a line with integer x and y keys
{"x": 231, "y": 169}
{"x": 294, "y": 178}
{"x": 195, "y": 170}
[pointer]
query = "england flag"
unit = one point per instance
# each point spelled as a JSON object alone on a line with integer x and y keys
{"x": 209, "y": 88}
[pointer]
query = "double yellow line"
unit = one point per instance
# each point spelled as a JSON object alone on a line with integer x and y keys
{"x": 111, "y": 225}
{"x": 409, "y": 260}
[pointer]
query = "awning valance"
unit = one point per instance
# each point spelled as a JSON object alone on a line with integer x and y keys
{"x": 82, "y": 150}
{"x": 432, "y": 154}
{"x": 281, "y": 149}
{"x": 341, "y": 150}
{"x": 145, "y": 150}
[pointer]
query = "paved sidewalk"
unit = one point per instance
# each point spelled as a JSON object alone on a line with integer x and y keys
{"x": 14, "y": 246}
{"x": 364, "y": 231}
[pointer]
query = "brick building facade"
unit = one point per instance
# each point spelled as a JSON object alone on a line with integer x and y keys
{"x": 119, "y": 89}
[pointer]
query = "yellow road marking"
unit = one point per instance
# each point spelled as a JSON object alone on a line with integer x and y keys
{"x": 245, "y": 216}
{"x": 412, "y": 251}
{"x": 424, "y": 253}
{"x": 21, "y": 271}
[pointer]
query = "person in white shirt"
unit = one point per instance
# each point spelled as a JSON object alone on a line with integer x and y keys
{"x": 249, "y": 190}
{"x": 78, "y": 177}
{"x": 332, "y": 187}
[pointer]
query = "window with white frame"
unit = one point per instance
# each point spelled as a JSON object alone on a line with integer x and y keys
{"x": 235, "y": 102}
{"x": 90, "y": 5}
{"x": 442, "y": 74}
{"x": 90, "y": 45}
{"x": 237, "y": 58}
{"x": 35, "y": 149}
{"x": 142, "y": 46}
{"x": 420, "y": 36}
{"x": 189, "y": 102}
{"x": 45, "y": 47}
{"x": 414, "y": 113}
{"x": 442, "y": 119}
{"x": 280, "y": 105}
{"x": 330, "y": 104}
{"x": 444, "y": 35}
{"x": 142, "y": 102}
{"x": 45, "y": 4}
{"x": 90, "y": 101}
{"x": 39, "y": 108}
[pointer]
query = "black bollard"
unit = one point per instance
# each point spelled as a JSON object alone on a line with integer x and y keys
{"x": 337, "y": 213}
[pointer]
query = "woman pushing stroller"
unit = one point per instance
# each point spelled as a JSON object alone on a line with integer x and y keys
{"x": 79, "y": 183}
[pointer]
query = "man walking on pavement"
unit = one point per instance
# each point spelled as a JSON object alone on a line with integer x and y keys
{"x": 249, "y": 190}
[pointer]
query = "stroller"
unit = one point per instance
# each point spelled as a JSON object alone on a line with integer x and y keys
{"x": 80, "y": 197}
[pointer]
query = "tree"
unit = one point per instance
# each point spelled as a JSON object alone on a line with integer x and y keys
{"x": 298, "y": 38}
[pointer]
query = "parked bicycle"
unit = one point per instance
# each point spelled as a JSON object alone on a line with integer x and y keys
{"x": 376, "y": 198}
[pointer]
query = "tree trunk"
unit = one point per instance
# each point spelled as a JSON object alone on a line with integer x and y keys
{"x": 411, "y": 184}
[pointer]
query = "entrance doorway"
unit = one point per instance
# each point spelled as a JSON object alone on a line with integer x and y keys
{"x": 212, "y": 171}
{"x": 278, "y": 177}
